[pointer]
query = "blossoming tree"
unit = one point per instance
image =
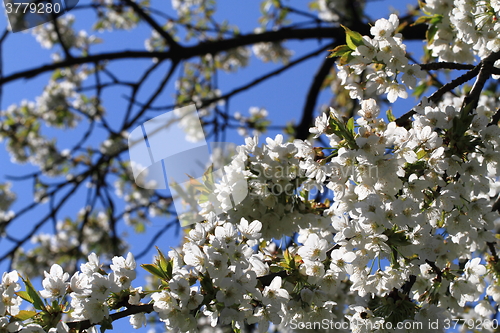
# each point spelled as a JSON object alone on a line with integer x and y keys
{"x": 401, "y": 237}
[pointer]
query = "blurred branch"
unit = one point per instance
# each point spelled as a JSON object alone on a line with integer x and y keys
{"x": 168, "y": 39}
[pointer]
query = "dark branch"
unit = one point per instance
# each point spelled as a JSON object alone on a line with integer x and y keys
{"x": 212, "y": 47}
{"x": 436, "y": 96}
{"x": 170, "y": 41}
{"x": 445, "y": 65}
{"x": 133, "y": 309}
{"x": 302, "y": 130}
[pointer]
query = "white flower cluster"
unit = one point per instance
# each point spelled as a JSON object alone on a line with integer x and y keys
{"x": 47, "y": 36}
{"x": 272, "y": 51}
{"x": 256, "y": 121}
{"x": 387, "y": 55}
{"x": 233, "y": 59}
{"x": 113, "y": 16}
{"x": 404, "y": 239}
{"x": 93, "y": 293}
{"x": 274, "y": 177}
{"x": 22, "y": 121}
{"x": 462, "y": 26}
{"x": 7, "y": 197}
{"x": 421, "y": 206}
{"x": 184, "y": 6}
{"x": 92, "y": 287}
{"x": 10, "y": 301}
{"x": 221, "y": 255}
{"x": 329, "y": 10}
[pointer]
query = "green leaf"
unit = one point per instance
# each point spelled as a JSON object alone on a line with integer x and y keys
{"x": 420, "y": 89}
{"x": 431, "y": 32}
{"x": 57, "y": 74}
{"x": 208, "y": 178}
{"x": 353, "y": 38}
{"x": 33, "y": 294}
{"x": 24, "y": 315}
{"x": 196, "y": 185}
{"x": 390, "y": 116}
{"x": 346, "y": 58}
{"x": 153, "y": 269}
{"x": 350, "y": 125}
{"x": 162, "y": 260}
{"x": 24, "y": 295}
{"x": 203, "y": 198}
{"x": 422, "y": 20}
{"x": 162, "y": 268}
{"x": 421, "y": 154}
{"x": 436, "y": 19}
{"x": 339, "y": 51}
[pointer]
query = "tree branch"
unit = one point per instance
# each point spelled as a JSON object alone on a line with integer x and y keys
{"x": 404, "y": 119}
{"x": 302, "y": 130}
{"x": 485, "y": 70}
{"x": 212, "y": 47}
{"x": 170, "y": 41}
{"x": 132, "y": 309}
{"x": 445, "y": 65}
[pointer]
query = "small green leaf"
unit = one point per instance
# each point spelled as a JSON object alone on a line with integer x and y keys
{"x": 208, "y": 178}
{"x": 57, "y": 75}
{"x": 422, "y": 19}
{"x": 346, "y": 58}
{"x": 421, "y": 154}
{"x": 162, "y": 260}
{"x": 431, "y": 32}
{"x": 350, "y": 125}
{"x": 33, "y": 294}
{"x": 24, "y": 295}
{"x": 339, "y": 51}
{"x": 139, "y": 228}
{"x": 153, "y": 269}
{"x": 436, "y": 19}
{"x": 24, "y": 315}
{"x": 196, "y": 185}
{"x": 390, "y": 116}
{"x": 353, "y": 38}
{"x": 420, "y": 89}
